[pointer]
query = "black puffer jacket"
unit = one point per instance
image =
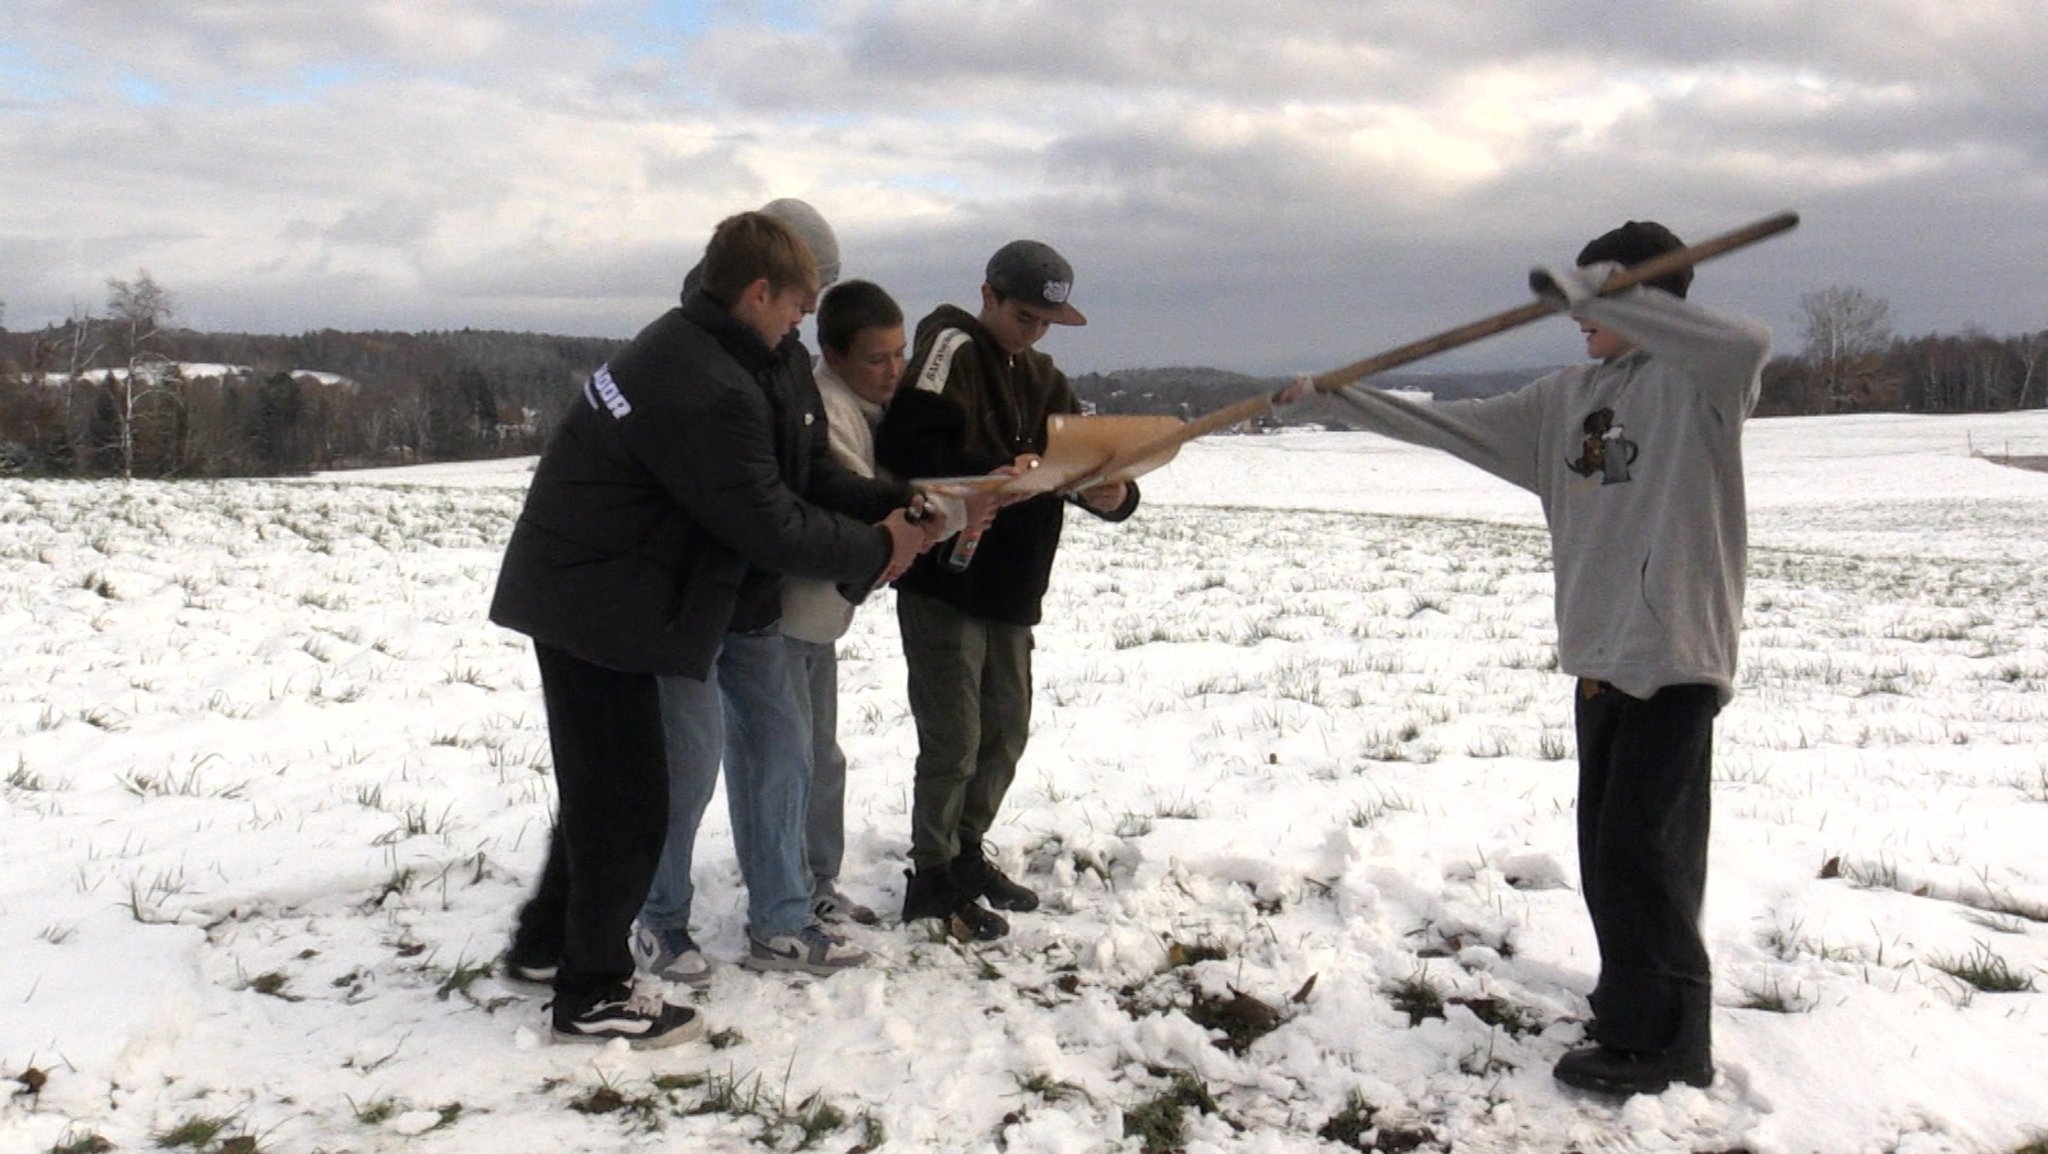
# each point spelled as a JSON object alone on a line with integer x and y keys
{"x": 673, "y": 484}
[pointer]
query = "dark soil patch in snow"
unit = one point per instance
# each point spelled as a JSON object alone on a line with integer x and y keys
{"x": 2037, "y": 464}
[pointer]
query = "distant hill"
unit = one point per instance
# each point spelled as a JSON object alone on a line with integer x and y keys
{"x": 1188, "y": 392}
{"x": 536, "y": 371}
{"x": 240, "y": 404}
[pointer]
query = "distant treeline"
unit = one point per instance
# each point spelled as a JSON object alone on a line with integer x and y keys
{"x": 79, "y": 400}
{"x": 89, "y": 399}
{"x": 1972, "y": 373}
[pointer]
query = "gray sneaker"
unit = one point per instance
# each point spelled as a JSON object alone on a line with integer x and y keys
{"x": 670, "y": 955}
{"x": 811, "y": 950}
{"x": 831, "y": 905}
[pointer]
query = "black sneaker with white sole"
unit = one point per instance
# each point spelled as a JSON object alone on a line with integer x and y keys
{"x": 526, "y": 971}
{"x": 634, "y": 1012}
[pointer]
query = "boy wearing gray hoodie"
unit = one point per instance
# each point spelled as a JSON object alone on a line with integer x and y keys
{"x": 1637, "y": 460}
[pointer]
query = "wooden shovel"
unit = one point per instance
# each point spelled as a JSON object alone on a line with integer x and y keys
{"x": 1086, "y": 451}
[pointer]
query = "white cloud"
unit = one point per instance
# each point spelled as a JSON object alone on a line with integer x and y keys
{"x": 1328, "y": 174}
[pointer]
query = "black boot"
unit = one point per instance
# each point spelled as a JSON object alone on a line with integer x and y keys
{"x": 930, "y": 893}
{"x": 973, "y": 873}
{"x": 1608, "y": 1070}
{"x": 927, "y": 894}
{"x": 1623, "y": 1072}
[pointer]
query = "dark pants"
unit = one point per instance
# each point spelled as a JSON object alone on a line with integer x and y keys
{"x": 1644, "y": 770}
{"x": 612, "y": 780}
{"x": 970, "y": 694}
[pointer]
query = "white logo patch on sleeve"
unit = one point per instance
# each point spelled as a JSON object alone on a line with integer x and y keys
{"x": 932, "y": 379}
{"x": 603, "y": 393}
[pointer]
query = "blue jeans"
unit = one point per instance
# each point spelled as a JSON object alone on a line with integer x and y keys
{"x": 746, "y": 710}
{"x": 814, "y": 678}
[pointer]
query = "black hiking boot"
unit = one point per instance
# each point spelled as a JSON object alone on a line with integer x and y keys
{"x": 1605, "y": 1070}
{"x": 1687, "y": 1058}
{"x": 930, "y": 893}
{"x": 973, "y": 873}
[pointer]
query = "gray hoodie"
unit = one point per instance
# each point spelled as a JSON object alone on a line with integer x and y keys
{"x": 1638, "y": 463}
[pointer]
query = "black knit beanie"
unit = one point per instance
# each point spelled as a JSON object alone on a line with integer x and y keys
{"x": 1634, "y": 243}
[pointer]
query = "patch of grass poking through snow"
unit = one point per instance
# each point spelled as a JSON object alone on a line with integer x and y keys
{"x": 1516, "y": 1020}
{"x": 1050, "y": 1089}
{"x": 1367, "y": 814}
{"x": 1418, "y": 997}
{"x": 783, "y": 1127}
{"x": 1787, "y": 944}
{"x": 175, "y": 785}
{"x": 1984, "y": 970}
{"x": 464, "y": 974}
{"x": 1357, "y": 1126}
{"x": 1882, "y": 874}
{"x": 1160, "y": 1122}
{"x": 1771, "y": 998}
{"x": 271, "y": 984}
{"x": 27, "y": 780}
{"x": 1180, "y": 954}
{"x": 86, "y": 1143}
{"x": 605, "y": 1098}
{"x": 197, "y": 1132}
{"x": 1996, "y": 923}
{"x": 2035, "y": 788}
{"x": 1241, "y": 1018}
{"x": 2004, "y": 904}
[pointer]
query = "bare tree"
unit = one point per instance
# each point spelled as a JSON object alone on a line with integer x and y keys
{"x": 1986, "y": 386}
{"x": 139, "y": 311}
{"x": 79, "y": 352}
{"x": 1847, "y": 331}
{"x": 2032, "y": 351}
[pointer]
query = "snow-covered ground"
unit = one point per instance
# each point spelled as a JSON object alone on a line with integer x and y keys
{"x": 273, "y": 788}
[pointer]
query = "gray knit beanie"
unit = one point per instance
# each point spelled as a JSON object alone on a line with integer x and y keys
{"x": 817, "y": 236}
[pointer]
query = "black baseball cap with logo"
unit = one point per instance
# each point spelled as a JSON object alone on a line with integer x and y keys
{"x": 1038, "y": 276}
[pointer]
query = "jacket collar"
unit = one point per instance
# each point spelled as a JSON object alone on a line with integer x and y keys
{"x": 742, "y": 342}
{"x": 830, "y": 381}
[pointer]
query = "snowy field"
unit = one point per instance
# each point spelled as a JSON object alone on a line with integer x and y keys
{"x": 1299, "y": 797}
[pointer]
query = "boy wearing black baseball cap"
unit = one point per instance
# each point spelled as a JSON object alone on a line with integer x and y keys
{"x": 975, "y": 398}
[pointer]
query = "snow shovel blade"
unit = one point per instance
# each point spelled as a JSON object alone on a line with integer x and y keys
{"x": 1081, "y": 451}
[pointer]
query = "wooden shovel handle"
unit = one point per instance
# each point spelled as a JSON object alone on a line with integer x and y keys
{"x": 1335, "y": 379}
{"x": 1465, "y": 334}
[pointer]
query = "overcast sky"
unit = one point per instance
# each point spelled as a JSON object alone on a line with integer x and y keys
{"x": 1271, "y": 186}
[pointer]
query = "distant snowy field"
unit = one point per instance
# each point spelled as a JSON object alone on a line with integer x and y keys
{"x": 273, "y": 788}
